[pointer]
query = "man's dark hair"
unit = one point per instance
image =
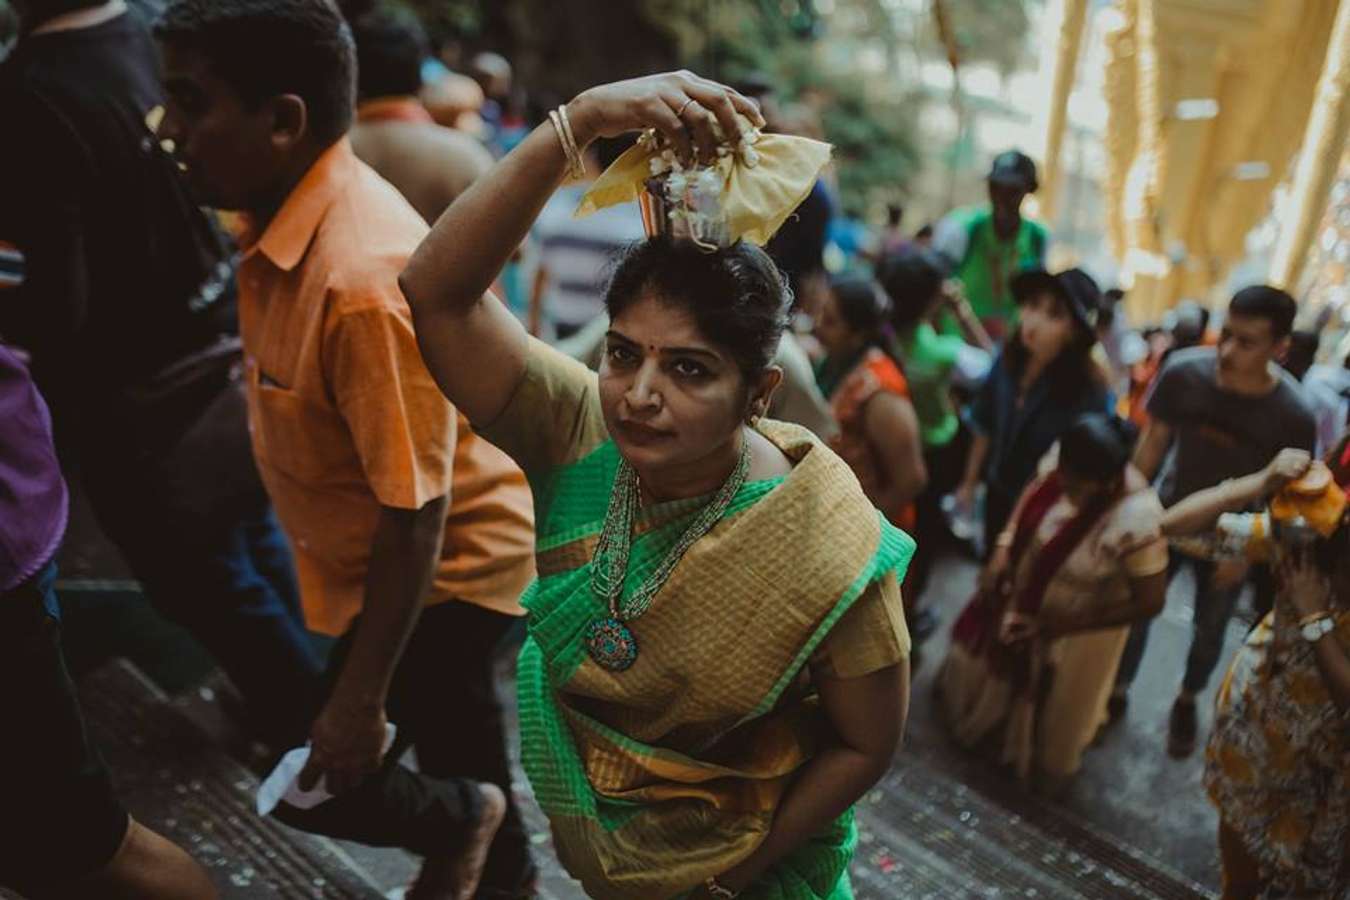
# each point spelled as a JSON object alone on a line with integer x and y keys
{"x": 1269, "y": 303}
{"x": 1302, "y": 353}
{"x": 894, "y": 213}
{"x": 390, "y": 47}
{"x": 265, "y": 48}
{"x": 913, "y": 279}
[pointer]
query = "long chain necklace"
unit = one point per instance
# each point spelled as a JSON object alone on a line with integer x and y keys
{"x": 608, "y": 639}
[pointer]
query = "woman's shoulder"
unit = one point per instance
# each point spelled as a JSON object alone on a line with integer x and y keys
{"x": 1137, "y": 519}
{"x": 768, "y": 459}
{"x": 885, "y": 373}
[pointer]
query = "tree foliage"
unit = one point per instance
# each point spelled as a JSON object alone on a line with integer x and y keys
{"x": 841, "y": 64}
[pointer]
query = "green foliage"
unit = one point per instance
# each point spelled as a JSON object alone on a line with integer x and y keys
{"x": 458, "y": 18}
{"x": 871, "y": 128}
{"x": 814, "y": 58}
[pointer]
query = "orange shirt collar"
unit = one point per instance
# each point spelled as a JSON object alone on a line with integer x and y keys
{"x": 288, "y": 234}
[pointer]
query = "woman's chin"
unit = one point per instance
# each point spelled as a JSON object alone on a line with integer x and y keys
{"x": 645, "y": 454}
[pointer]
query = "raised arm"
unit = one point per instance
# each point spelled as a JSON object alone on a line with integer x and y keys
{"x": 954, "y": 298}
{"x": 472, "y": 344}
{"x": 1201, "y": 510}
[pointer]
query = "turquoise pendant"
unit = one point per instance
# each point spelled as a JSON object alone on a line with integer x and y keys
{"x": 611, "y": 644}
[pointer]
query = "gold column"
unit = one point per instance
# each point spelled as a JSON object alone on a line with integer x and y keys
{"x": 1073, "y": 16}
{"x": 1328, "y": 128}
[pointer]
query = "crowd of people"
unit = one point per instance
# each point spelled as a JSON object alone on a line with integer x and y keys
{"x": 300, "y": 304}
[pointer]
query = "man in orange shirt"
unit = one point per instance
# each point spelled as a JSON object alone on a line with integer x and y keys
{"x": 391, "y": 502}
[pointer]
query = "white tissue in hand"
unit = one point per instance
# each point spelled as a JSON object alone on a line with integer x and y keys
{"x": 284, "y": 782}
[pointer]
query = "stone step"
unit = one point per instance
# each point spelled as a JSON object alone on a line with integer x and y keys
{"x": 178, "y": 782}
{"x": 939, "y": 825}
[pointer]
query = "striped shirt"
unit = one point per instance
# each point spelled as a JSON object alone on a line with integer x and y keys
{"x": 578, "y": 254}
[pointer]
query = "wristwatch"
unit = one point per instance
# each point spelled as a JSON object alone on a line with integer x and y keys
{"x": 1316, "y": 627}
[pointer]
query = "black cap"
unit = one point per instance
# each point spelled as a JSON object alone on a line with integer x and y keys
{"x": 1074, "y": 286}
{"x": 1012, "y": 167}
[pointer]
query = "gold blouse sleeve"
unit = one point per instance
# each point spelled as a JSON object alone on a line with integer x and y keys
{"x": 871, "y": 636}
{"x": 1149, "y": 559}
{"x": 554, "y": 417}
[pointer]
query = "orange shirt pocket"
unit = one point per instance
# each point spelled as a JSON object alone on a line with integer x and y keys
{"x": 297, "y": 438}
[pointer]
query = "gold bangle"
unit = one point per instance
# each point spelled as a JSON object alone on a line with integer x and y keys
{"x": 577, "y": 164}
{"x": 575, "y": 168}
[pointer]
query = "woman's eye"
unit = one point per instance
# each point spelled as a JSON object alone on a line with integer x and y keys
{"x": 621, "y": 355}
{"x": 689, "y": 369}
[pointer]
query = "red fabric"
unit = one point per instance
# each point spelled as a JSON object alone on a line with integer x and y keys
{"x": 875, "y": 372}
{"x": 977, "y": 628}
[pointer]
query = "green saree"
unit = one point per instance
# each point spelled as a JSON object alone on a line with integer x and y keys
{"x": 659, "y": 776}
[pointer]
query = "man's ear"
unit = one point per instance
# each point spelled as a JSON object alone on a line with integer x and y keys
{"x": 290, "y": 120}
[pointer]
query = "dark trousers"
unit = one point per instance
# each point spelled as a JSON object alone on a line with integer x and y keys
{"x": 1213, "y": 610}
{"x": 443, "y": 699}
{"x": 60, "y": 816}
{"x": 228, "y": 579}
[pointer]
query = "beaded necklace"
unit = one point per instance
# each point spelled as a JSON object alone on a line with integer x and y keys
{"x": 608, "y": 639}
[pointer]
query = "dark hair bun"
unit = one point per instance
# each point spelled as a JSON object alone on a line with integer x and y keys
{"x": 1098, "y": 446}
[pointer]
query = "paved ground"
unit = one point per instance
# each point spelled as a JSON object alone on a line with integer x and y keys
{"x": 1129, "y": 787}
{"x": 1130, "y": 791}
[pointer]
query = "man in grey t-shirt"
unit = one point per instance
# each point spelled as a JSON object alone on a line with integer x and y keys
{"x": 1227, "y": 410}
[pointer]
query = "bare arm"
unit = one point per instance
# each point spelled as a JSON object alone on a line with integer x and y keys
{"x": 975, "y": 457}
{"x": 969, "y": 323}
{"x": 1201, "y": 510}
{"x": 893, "y": 431}
{"x": 1309, "y": 592}
{"x": 867, "y": 719}
{"x": 1152, "y": 447}
{"x": 348, "y": 735}
{"x": 535, "y": 320}
{"x": 473, "y": 346}
{"x": 1335, "y": 668}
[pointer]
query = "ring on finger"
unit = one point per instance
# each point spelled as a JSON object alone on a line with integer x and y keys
{"x": 680, "y": 112}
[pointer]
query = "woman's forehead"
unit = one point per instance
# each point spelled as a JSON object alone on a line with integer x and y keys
{"x": 658, "y": 323}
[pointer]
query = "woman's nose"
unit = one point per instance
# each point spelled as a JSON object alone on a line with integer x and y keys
{"x": 642, "y": 392}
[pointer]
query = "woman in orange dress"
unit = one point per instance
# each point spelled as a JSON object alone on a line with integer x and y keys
{"x": 878, "y": 431}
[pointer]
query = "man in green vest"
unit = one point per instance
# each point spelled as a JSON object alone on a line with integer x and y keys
{"x": 988, "y": 245}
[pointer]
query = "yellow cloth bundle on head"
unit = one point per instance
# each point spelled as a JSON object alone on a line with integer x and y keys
{"x": 762, "y": 181}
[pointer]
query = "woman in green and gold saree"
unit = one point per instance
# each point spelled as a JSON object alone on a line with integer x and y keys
{"x": 716, "y": 662}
